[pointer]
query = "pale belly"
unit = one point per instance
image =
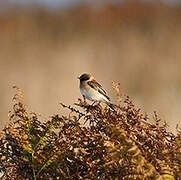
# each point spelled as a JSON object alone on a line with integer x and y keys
{"x": 94, "y": 95}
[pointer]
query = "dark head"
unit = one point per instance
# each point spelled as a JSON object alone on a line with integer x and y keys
{"x": 84, "y": 77}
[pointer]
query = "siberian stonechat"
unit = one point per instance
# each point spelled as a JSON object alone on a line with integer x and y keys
{"x": 92, "y": 90}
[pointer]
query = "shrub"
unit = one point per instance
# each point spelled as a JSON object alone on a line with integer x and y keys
{"x": 120, "y": 144}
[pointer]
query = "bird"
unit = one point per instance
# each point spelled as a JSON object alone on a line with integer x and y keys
{"x": 92, "y": 90}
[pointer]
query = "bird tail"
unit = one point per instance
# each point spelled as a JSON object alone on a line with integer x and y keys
{"x": 112, "y": 106}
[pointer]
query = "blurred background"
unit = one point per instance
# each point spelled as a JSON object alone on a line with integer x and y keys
{"x": 46, "y": 44}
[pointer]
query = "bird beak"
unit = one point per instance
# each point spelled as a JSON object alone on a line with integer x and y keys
{"x": 78, "y": 77}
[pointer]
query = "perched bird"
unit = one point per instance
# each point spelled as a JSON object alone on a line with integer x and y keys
{"x": 92, "y": 90}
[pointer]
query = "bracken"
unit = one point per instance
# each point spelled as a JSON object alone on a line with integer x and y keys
{"x": 118, "y": 144}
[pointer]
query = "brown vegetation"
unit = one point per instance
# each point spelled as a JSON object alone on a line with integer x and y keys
{"x": 118, "y": 144}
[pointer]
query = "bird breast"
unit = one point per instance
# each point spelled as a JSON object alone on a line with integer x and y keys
{"x": 93, "y": 95}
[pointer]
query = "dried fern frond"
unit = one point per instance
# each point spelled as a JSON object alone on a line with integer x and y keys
{"x": 120, "y": 144}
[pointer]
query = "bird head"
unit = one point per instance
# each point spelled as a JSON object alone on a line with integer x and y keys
{"x": 85, "y": 77}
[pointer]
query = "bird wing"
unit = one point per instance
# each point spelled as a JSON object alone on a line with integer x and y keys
{"x": 96, "y": 86}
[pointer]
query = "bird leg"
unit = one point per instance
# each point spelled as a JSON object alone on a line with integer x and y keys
{"x": 84, "y": 98}
{"x": 98, "y": 103}
{"x": 93, "y": 103}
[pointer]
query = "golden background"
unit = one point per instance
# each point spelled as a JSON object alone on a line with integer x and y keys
{"x": 137, "y": 44}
